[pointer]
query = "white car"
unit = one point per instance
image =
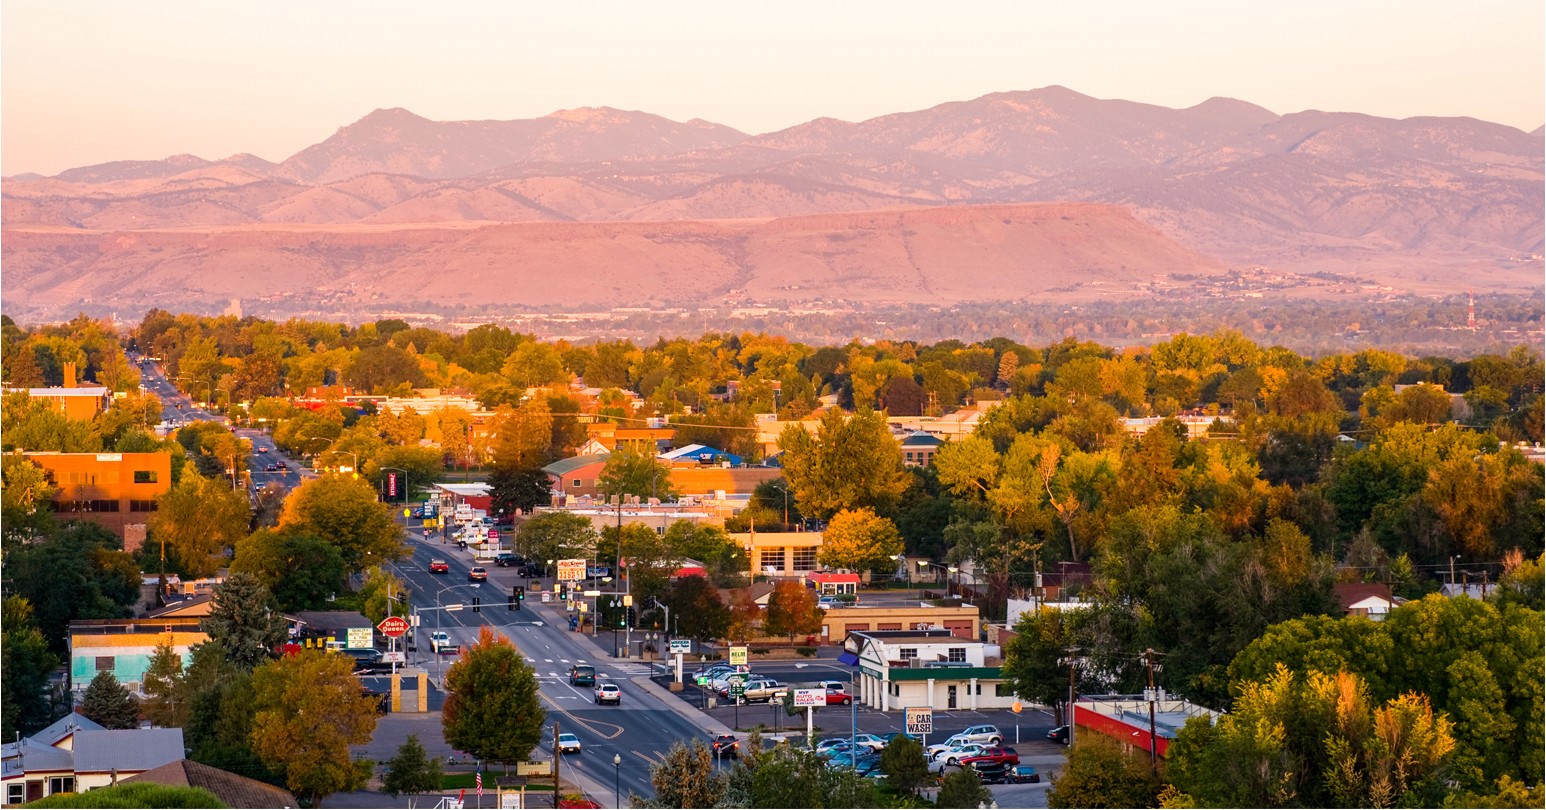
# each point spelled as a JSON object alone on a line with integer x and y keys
{"x": 954, "y": 754}
{"x": 609, "y": 693}
{"x": 986, "y": 734}
{"x": 875, "y": 742}
{"x": 439, "y": 639}
{"x": 568, "y": 744}
{"x": 721, "y": 682}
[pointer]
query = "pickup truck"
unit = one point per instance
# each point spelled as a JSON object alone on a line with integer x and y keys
{"x": 761, "y": 690}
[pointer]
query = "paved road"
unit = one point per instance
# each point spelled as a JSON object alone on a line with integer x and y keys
{"x": 638, "y": 732}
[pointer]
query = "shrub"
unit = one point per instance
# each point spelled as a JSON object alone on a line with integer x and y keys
{"x": 808, "y": 652}
{"x": 134, "y": 794}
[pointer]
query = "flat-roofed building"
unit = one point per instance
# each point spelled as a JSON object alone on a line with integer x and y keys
{"x": 116, "y": 490}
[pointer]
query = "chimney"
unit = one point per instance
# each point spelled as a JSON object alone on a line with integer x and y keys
{"x": 69, "y": 375}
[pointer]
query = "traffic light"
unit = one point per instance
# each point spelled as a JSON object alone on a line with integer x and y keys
{"x": 477, "y": 604}
{"x": 514, "y": 603}
{"x": 633, "y": 617}
{"x": 520, "y": 593}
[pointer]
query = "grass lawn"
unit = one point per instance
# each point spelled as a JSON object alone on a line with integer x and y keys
{"x": 458, "y": 781}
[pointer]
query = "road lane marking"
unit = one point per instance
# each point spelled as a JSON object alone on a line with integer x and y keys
{"x": 646, "y": 758}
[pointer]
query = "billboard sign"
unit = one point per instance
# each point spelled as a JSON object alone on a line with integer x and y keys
{"x": 920, "y": 720}
{"x": 738, "y": 656}
{"x": 571, "y": 570}
{"x": 810, "y": 697}
{"x": 361, "y": 638}
{"x": 681, "y": 646}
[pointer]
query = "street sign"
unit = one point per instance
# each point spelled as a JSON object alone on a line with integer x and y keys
{"x": 393, "y": 626}
{"x": 394, "y": 658}
{"x": 737, "y": 688}
{"x": 510, "y": 801}
{"x": 544, "y": 768}
{"x": 737, "y": 656}
{"x": 920, "y": 720}
{"x": 360, "y": 638}
{"x": 810, "y": 697}
{"x": 493, "y": 535}
{"x": 681, "y": 645}
{"x": 571, "y": 570}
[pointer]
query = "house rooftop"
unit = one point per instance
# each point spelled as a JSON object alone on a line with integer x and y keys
{"x": 134, "y": 749}
{"x": 565, "y": 466}
{"x": 234, "y": 790}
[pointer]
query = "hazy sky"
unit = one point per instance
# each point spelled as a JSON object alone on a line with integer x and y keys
{"x": 87, "y": 82}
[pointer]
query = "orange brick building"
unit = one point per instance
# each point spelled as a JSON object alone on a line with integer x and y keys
{"x": 75, "y": 402}
{"x": 116, "y": 490}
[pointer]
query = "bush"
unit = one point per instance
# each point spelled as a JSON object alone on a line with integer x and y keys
{"x": 134, "y": 794}
{"x": 808, "y": 652}
{"x": 761, "y": 651}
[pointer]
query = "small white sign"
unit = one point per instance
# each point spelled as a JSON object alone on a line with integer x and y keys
{"x": 361, "y": 638}
{"x": 681, "y": 646}
{"x": 920, "y": 720}
{"x": 510, "y": 801}
{"x": 810, "y": 697}
{"x": 394, "y": 658}
{"x": 738, "y": 656}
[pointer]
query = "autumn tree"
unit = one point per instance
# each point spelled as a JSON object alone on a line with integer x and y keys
{"x": 850, "y": 463}
{"x": 696, "y": 610}
{"x": 685, "y": 777}
{"x": 859, "y": 540}
{"x": 792, "y": 611}
{"x": 1099, "y": 773}
{"x": 26, "y": 497}
{"x": 107, "y": 702}
{"x": 492, "y": 710}
{"x": 515, "y": 490}
{"x": 201, "y": 520}
{"x": 344, "y": 511}
{"x": 308, "y": 711}
{"x": 746, "y": 617}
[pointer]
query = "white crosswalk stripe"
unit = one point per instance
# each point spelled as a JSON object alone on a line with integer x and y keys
{"x": 634, "y": 669}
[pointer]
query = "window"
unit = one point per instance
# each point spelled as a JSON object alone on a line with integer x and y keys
{"x": 61, "y": 784}
{"x": 15, "y": 793}
{"x": 576, "y": 482}
{"x": 661, "y": 530}
{"x": 144, "y": 476}
{"x": 105, "y": 663}
{"x": 805, "y": 559}
{"x": 142, "y": 506}
{"x": 1003, "y": 690}
{"x": 957, "y": 655}
{"x": 907, "y": 653}
{"x": 773, "y": 557}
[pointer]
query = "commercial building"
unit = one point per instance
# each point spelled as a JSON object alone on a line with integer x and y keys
{"x": 77, "y": 402}
{"x": 912, "y": 668}
{"x": 1125, "y": 718}
{"x": 116, "y": 490}
{"x": 124, "y": 647}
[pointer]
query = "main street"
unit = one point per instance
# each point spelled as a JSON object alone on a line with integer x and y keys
{"x": 639, "y": 730}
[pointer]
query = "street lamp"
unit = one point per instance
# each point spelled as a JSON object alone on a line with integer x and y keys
{"x": 786, "y": 502}
{"x": 439, "y": 609}
{"x": 617, "y": 780}
{"x": 354, "y": 457}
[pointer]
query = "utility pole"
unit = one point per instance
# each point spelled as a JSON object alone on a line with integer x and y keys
{"x": 1068, "y": 716}
{"x": 557, "y": 756}
{"x": 1148, "y": 658}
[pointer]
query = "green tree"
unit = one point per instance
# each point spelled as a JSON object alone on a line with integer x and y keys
{"x": 78, "y": 573}
{"x": 25, "y": 500}
{"x": 685, "y": 777}
{"x": 904, "y": 764}
{"x": 201, "y": 520}
{"x": 107, "y": 702}
{"x": 493, "y": 710}
{"x": 163, "y": 688}
{"x": 302, "y": 571}
{"x": 962, "y": 788}
{"x": 308, "y": 711}
{"x": 244, "y": 623}
{"x": 374, "y": 595}
{"x": 410, "y": 771}
{"x": 696, "y": 609}
{"x": 556, "y": 536}
{"x": 513, "y": 490}
{"x": 344, "y": 511}
{"x": 1035, "y": 660}
{"x": 629, "y": 472}
{"x": 25, "y": 662}
{"x": 523, "y": 435}
{"x": 792, "y": 611}
{"x": 850, "y": 463}
{"x": 1100, "y": 774}
{"x": 859, "y": 540}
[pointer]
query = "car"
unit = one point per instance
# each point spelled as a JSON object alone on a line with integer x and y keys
{"x": 505, "y": 560}
{"x": 609, "y": 693}
{"x": 991, "y": 773}
{"x": 950, "y": 742}
{"x": 758, "y": 690}
{"x": 833, "y": 745}
{"x": 708, "y": 673}
{"x": 441, "y": 644}
{"x": 582, "y": 675}
{"x": 953, "y": 756}
{"x": 839, "y": 697}
{"x": 439, "y": 567}
{"x": 568, "y": 743}
{"x": 1007, "y": 756}
{"x": 727, "y": 746}
{"x": 829, "y": 602}
{"x": 531, "y": 571}
{"x": 1059, "y": 735}
{"x": 477, "y": 574}
{"x": 417, "y": 514}
{"x": 275, "y": 468}
{"x": 1020, "y": 774}
{"x": 985, "y": 734}
{"x": 874, "y": 742}
{"x": 860, "y": 760}
{"x": 368, "y": 661}
{"x": 721, "y": 682}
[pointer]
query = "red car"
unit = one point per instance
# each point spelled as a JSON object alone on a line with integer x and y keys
{"x": 838, "y": 696}
{"x": 1004, "y": 756}
{"x": 439, "y": 567}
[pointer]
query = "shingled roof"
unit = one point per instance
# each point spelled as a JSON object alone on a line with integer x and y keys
{"x": 233, "y": 789}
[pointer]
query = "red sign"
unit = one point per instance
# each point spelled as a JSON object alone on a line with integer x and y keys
{"x": 393, "y": 626}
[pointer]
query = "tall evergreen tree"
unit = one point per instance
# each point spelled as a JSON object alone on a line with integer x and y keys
{"x": 411, "y": 771}
{"x": 163, "y": 688}
{"x": 245, "y": 623}
{"x": 107, "y": 702}
{"x": 25, "y": 662}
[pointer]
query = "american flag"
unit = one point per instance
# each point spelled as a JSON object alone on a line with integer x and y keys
{"x": 478, "y": 781}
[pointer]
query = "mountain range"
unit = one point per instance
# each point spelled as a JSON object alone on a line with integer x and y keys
{"x": 1044, "y": 192}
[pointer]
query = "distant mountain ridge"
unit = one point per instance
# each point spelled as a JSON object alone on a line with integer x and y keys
{"x": 1414, "y": 202}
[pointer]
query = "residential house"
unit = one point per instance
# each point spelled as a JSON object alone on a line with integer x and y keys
{"x": 936, "y": 668}
{"x": 613, "y": 436}
{"x": 75, "y": 755}
{"x": 1371, "y": 599}
{"x": 115, "y": 490}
